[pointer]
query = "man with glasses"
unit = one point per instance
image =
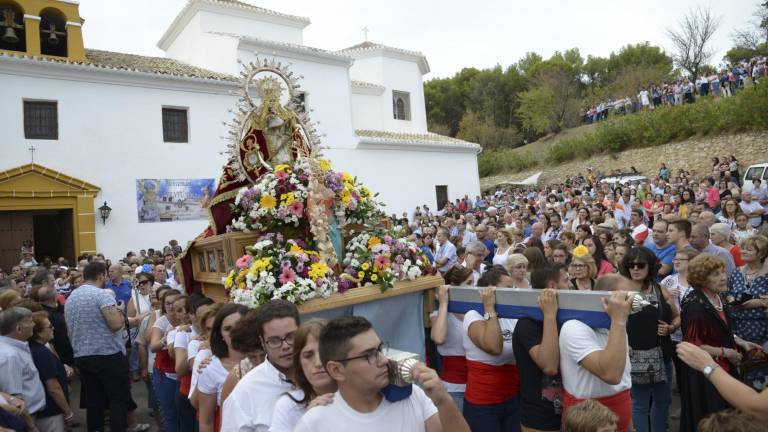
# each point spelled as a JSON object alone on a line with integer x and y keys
{"x": 352, "y": 354}
{"x": 249, "y": 407}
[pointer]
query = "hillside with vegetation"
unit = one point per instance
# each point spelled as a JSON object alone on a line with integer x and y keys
{"x": 530, "y": 114}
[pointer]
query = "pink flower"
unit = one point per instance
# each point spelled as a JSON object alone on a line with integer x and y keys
{"x": 281, "y": 175}
{"x": 381, "y": 261}
{"x": 287, "y": 276}
{"x": 296, "y": 208}
{"x": 244, "y": 261}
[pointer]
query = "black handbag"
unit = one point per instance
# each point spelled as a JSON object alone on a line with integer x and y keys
{"x": 648, "y": 365}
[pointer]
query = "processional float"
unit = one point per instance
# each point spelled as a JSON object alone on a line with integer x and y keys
{"x": 284, "y": 224}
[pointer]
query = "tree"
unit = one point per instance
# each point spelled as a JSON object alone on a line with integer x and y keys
{"x": 691, "y": 40}
{"x": 536, "y": 108}
{"x": 477, "y": 128}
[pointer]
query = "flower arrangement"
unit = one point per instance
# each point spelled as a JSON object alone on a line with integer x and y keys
{"x": 378, "y": 258}
{"x": 274, "y": 268}
{"x": 358, "y": 203}
{"x": 580, "y": 251}
{"x": 277, "y": 200}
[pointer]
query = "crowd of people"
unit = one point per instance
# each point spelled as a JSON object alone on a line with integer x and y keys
{"x": 723, "y": 83}
{"x": 694, "y": 249}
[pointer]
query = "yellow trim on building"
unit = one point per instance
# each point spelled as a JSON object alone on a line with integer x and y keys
{"x": 71, "y": 13}
{"x": 35, "y": 187}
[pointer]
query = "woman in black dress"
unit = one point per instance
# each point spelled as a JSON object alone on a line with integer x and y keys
{"x": 706, "y": 323}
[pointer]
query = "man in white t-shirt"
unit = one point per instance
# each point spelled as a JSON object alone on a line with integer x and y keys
{"x": 594, "y": 363}
{"x": 352, "y": 354}
{"x": 753, "y": 209}
{"x": 250, "y": 405}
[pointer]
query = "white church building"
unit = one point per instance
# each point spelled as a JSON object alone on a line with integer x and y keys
{"x": 82, "y": 129}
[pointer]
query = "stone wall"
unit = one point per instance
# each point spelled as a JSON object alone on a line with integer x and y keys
{"x": 693, "y": 154}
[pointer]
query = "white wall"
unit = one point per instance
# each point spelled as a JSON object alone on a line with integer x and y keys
{"x": 394, "y": 74}
{"x": 111, "y": 135}
{"x": 407, "y": 179}
{"x": 209, "y": 51}
{"x": 328, "y": 96}
{"x": 246, "y": 26}
{"x": 367, "y": 112}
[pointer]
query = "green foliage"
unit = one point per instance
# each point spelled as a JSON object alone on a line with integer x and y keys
{"x": 708, "y": 116}
{"x": 535, "y": 111}
{"x": 480, "y": 129}
{"x": 737, "y": 54}
{"x": 498, "y": 161}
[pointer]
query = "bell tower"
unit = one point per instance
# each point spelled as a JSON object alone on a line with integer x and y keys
{"x": 49, "y": 28}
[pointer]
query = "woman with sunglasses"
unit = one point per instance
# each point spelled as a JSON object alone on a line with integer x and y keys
{"x": 648, "y": 334}
{"x": 224, "y": 358}
{"x": 140, "y": 304}
{"x": 312, "y": 384}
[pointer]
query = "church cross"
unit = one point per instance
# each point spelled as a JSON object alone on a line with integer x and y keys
{"x": 32, "y": 153}
{"x": 365, "y": 31}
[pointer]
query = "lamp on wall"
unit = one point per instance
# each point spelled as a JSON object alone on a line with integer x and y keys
{"x": 104, "y": 211}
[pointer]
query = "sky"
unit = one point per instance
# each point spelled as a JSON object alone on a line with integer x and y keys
{"x": 452, "y": 34}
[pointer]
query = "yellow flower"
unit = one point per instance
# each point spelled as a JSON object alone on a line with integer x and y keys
{"x": 260, "y": 265}
{"x": 318, "y": 270}
{"x": 267, "y": 202}
{"x": 296, "y": 249}
{"x": 580, "y": 251}
{"x": 282, "y": 167}
{"x": 346, "y": 196}
{"x": 325, "y": 165}
{"x": 360, "y": 275}
{"x": 365, "y": 192}
{"x": 373, "y": 241}
{"x": 365, "y": 266}
{"x": 374, "y": 278}
{"x": 287, "y": 198}
{"x": 345, "y": 177}
{"x": 229, "y": 281}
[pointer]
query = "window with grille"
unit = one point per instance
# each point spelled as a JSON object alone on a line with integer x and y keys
{"x": 175, "y": 125}
{"x": 401, "y": 105}
{"x": 41, "y": 120}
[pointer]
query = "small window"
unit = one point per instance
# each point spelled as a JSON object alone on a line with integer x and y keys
{"x": 401, "y": 105}
{"x": 300, "y": 102}
{"x": 175, "y": 125}
{"x": 41, "y": 120}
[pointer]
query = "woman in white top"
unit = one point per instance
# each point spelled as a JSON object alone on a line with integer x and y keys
{"x": 224, "y": 358}
{"x": 447, "y": 333}
{"x": 677, "y": 283}
{"x": 582, "y": 218}
{"x": 312, "y": 384}
{"x": 140, "y": 304}
{"x": 163, "y": 373}
{"x": 491, "y": 400}
{"x": 517, "y": 267}
{"x": 503, "y": 246}
{"x": 199, "y": 348}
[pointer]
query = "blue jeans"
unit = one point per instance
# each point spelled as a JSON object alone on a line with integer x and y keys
{"x": 651, "y": 402}
{"x": 187, "y": 414}
{"x": 503, "y": 417}
{"x": 458, "y": 399}
{"x": 166, "y": 390}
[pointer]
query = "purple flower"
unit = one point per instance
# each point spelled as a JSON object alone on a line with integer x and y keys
{"x": 300, "y": 266}
{"x": 344, "y": 285}
{"x": 388, "y": 239}
{"x": 280, "y": 237}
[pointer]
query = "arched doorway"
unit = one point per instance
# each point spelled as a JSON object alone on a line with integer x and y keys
{"x": 49, "y": 207}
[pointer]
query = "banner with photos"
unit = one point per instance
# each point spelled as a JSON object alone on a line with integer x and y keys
{"x": 168, "y": 200}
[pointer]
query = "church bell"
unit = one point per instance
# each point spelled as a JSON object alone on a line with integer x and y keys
{"x": 52, "y": 38}
{"x": 10, "y": 36}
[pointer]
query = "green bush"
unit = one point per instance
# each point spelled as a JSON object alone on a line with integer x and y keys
{"x": 747, "y": 111}
{"x": 492, "y": 162}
